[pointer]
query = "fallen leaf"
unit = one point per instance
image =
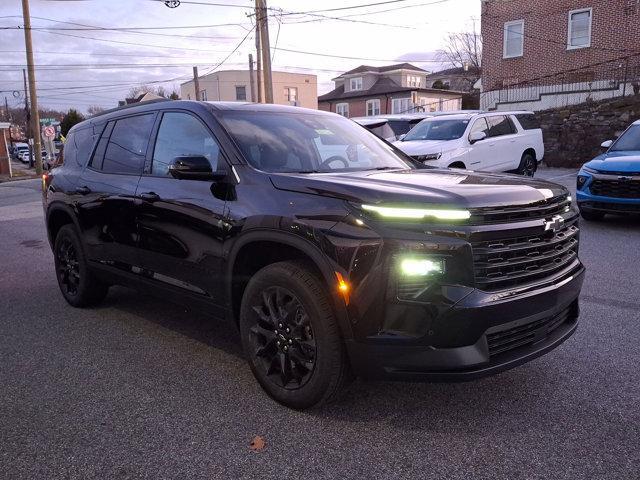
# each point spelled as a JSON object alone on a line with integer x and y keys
{"x": 257, "y": 444}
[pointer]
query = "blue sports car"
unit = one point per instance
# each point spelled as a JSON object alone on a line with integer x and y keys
{"x": 610, "y": 183}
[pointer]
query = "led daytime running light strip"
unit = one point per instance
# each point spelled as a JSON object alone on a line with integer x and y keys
{"x": 418, "y": 213}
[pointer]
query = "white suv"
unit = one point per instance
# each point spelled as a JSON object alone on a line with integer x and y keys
{"x": 492, "y": 142}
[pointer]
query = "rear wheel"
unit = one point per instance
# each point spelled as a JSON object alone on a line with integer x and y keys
{"x": 77, "y": 283}
{"x": 591, "y": 215}
{"x": 291, "y": 337}
{"x": 528, "y": 165}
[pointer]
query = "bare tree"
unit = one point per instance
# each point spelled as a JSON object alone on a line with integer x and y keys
{"x": 463, "y": 49}
{"x": 94, "y": 110}
{"x": 156, "y": 90}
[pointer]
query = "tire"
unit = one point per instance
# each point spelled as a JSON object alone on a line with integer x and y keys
{"x": 304, "y": 364}
{"x": 591, "y": 215}
{"x": 528, "y": 165}
{"x": 79, "y": 286}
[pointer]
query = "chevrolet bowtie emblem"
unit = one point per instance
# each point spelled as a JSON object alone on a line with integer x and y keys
{"x": 555, "y": 224}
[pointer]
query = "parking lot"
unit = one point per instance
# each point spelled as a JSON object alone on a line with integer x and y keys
{"x": 139, "y": 388}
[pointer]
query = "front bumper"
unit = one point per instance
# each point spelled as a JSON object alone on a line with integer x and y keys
{"x": 588, "y": 201}
{"x": 513, "y": 329}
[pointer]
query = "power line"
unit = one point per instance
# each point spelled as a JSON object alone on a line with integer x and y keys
{"x": 354, "y": 58}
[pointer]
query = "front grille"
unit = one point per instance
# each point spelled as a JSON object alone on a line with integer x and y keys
{"x": 543, "y": 209}
{"x": 515, "y": 261}
{"x": 520, "y": 336}
{"x": 616, "y": 188}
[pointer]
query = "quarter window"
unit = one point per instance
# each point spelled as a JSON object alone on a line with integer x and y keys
{"x": 342, "y": 109}
{"x": 127, "y": 147}
{"x": 373, "y": 107}
{"x": 356, "y": 83}
{"x": 182, "y": 135}
{"x": 241, "y": 92}
{"x": 579, "y": 28}
{"x": 513, "y": 39}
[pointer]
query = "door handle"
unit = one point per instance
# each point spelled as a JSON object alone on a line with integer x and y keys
{"x": 84, "y": 190}
{"x": 150, "y": 196}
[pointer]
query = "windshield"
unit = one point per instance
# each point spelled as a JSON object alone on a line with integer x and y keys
{"x": 437, "y": 130}
{"x": 630, "y": 140}
{"x": 308, "y": 143}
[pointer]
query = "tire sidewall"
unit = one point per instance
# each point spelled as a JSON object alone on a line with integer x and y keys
{"x": 527, "y": 158}
{"x": 68, "y": 232}
{"x": 328, "y": 356}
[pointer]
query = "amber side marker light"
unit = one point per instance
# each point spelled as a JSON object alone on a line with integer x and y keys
{"x": 343, "y": 287}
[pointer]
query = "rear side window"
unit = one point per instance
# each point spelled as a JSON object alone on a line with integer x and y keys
{"x": 499, "y": 125}
{"x": 123, "y": 145}
{"x": 83, "y": 143}
{"x": 528, "y": 121}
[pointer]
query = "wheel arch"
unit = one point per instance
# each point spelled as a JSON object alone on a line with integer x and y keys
{"x": 59, "y": 215}
{"x": 258, "y": 249}
{"x": 458, "y": 164}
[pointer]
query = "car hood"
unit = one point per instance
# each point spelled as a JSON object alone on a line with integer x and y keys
{"x": 443, "y": 187}
{"x": 616, "y": 162}
{"x": 422, "y": 147}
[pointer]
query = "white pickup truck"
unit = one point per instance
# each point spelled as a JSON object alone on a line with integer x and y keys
{"x": 492, "y": 142}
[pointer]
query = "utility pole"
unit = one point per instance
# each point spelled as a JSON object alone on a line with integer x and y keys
{"x": 27, "y": 116}
{"x": 196, "y": 82}
{"x": 35, "y": 118}
{"x": 6, "y": 109}
{"x": 258, "y": 58}
{"x": 251, "y": 82}
{"x": 261, "y": 18}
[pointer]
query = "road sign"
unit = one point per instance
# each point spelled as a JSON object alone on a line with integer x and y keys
{"x": 49, "y": 132}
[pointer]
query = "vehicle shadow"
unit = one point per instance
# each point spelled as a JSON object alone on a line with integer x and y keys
{"x": 409, "y": 406}
{"x": 189, "y": 322}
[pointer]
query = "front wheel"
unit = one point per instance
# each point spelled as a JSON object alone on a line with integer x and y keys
{"x": 528, "y": 165}
{"x": 291, "y": 337}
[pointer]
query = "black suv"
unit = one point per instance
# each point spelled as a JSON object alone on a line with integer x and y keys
{"x": 330, "y": 250}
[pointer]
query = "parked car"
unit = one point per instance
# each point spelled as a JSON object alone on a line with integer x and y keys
{"x": 397, "y": 125}
{"x": 18, "y": 149}
{"x": 491, "y": 142}
{"x": 331, "y": 265}
{"x": 610, "y": 183}
{"x": 24, "y": 156}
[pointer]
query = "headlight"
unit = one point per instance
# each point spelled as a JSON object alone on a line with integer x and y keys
{"x": 416, "y": 274}
{"x": 420, "y": 267}
{"x": 418, "y": 213}
{"x": 427, "y": 157}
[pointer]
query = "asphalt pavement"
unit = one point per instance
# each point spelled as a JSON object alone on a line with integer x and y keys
{"x": 141, "y": 388}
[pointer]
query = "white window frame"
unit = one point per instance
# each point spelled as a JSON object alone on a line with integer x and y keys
{"x": 400, "y": 101}
{"x": 569, "y": 28}
{"x": 203, "y": 95}
{"x": 414, "y": 81}
{"x": 288, "y": 96}
{"x": 375, "y": 107}
{"x": 342, "y": 109}
{"x": 358, "y": 83}
{"x": 245, "y": 93}
{"x": 504, "y": 39}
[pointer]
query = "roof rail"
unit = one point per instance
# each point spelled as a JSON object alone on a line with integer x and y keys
{"x": 131, "y": 105}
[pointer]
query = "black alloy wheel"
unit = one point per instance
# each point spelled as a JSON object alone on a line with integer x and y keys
{"x": 283, "y": 340}
{"x": 68, "y": 267}
{"x": 291, "y": 337}
{"x": 77, "y": 282}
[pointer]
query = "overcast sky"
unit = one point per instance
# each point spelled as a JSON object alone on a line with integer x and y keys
{"x": 73, "y": 62}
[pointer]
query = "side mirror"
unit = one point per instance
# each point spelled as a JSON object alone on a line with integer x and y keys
{"x": 606, "y": 145}
{"x": 476, "y": 137}
{"x": 194, "y": 167}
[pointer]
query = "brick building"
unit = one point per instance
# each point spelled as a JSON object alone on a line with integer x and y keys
{"x": 399, "y": 88}
{"x": 547, "y": 54}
